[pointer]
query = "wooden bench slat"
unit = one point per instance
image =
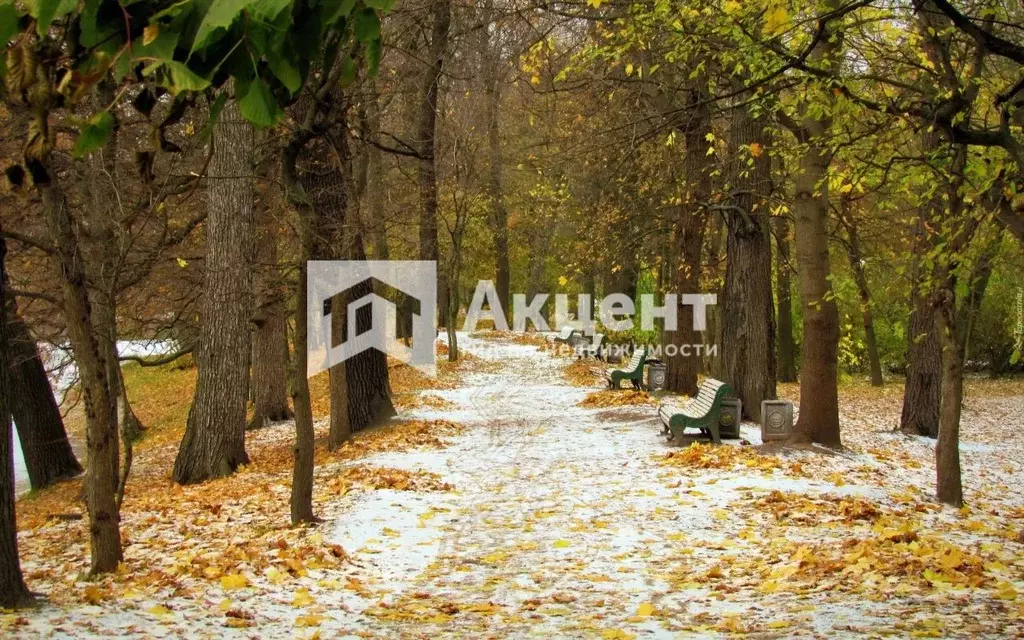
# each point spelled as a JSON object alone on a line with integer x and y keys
{"x": 698, "y": 412}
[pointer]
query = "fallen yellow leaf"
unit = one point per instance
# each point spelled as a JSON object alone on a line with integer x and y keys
{"x": 234, "y": 581}
{"x": 302, "y": 598}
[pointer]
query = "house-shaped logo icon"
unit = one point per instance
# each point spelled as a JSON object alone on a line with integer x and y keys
{"x": 417, "y": 279}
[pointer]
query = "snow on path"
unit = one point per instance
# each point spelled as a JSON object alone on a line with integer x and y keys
{"x": 562, "y": 523}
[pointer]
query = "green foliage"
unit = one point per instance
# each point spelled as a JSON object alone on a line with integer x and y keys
{"x": 94, "y": 133}
{"x": 636, "y": 335}
{"x": 267, "y": 48}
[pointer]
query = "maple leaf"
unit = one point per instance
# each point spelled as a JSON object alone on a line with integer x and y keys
{"x": 756, "y": 149}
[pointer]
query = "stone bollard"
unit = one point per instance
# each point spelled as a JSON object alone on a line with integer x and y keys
{"x": 776, "y": 420}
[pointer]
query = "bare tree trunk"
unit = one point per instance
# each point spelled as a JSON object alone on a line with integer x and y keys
{"x": 301, "y": 502}
{"x": 923, "y": 388}
{"x": 921, "y": 393}
{"x": 44, "y": 441}
{"x": 784, "y": 288}
{"x": 270, "y": 340}
{"x": 819, "y": 392}
{"x": 441, "y": 16}
{"x": 947, "y": 448}
{"x": 681, "y": 370}
{"x": 13, "y": 592}
{"x": 214, "y": 442}
{"x": 101, "y": 422}
{"x": 748, "y": 315}
{"x": 857, "y": 266}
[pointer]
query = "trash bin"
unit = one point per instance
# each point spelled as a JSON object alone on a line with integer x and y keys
{"x": 730, "y": 418}
{"x": 655, "y": 375}
{"x": 776, "y": 420}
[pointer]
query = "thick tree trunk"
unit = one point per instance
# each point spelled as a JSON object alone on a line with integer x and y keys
{"x": 784, "y": 298}
{"x": 923, "y": 388}
{"x": 13, "y": 592}
{"x": 857, "y": 266}
{"x": 688, "y": 237}
{"x": 819, "y": 392}
{"x": 748, "y": 314}
{"x": 44, "y": 441}
{"x": 441, "y": 16}
{"x": 270, "y": 339}
{"x": 214, "y": 442}
{"x": 101, "y": 421}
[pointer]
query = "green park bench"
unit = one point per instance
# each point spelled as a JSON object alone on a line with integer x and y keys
{"x": 702, "y": 412}
{"x": 633, "y": 371}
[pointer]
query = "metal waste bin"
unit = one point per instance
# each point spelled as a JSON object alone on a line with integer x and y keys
{"x": 730, "y": 418}
{"x": 776, "y": 420}
{"x": 655, "y": 375}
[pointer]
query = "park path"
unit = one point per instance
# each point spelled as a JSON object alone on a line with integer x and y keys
{"x": 562, "y": 522}
{"x": 539, "y": 516}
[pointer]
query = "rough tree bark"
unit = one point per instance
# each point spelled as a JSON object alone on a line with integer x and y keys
{"x": 214, "y": 442}
{"x": 441, "y": 17}
{"x": 921, "y": 393}
{"x": 688, "y": 237}
{"x": 44, "y": 441}
{"x": 784, "y": 298}
{"x": 748, "y": 314}
{"x": 819, "y": 392}
{"x": 947, "y": 448}
{"x": 104, "y": 242}
{"x": 269, "y": 387}
{"x": 101, "y": 422}
{"x": 853, "y": 252}
{"x": 13, "y": 592}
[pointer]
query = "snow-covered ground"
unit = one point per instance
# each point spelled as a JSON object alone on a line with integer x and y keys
{"x": 566, "y": 521}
